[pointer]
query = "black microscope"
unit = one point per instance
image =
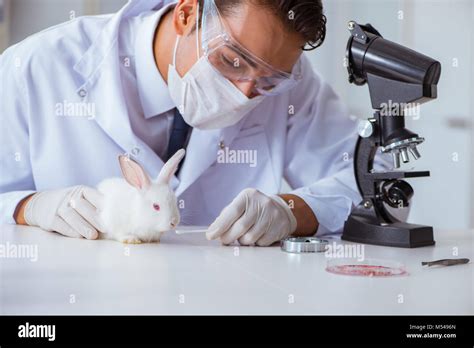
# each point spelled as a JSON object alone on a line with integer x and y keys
{"x": 397, "y": 77}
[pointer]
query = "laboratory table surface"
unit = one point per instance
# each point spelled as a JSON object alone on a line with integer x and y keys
{"x": 187, "y": 274}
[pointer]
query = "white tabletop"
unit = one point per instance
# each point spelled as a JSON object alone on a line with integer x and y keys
{"x": 186, "y": 274}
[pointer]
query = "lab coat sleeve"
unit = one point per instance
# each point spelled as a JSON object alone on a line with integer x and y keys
{"x": 321, "y": 138}
{"x": 16, "y": 180}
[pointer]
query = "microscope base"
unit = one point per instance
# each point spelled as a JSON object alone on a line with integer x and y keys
{"x": 360, "y": 229}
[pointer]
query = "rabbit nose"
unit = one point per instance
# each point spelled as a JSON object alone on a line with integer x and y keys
{"x": 174, "y": 222}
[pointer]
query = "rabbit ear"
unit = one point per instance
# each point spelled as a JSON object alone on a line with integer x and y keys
{"x": 134, "y": 173}
{"x": 170, "y": 167}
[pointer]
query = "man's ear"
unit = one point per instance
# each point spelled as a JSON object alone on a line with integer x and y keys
{"x": 184, "y": 16}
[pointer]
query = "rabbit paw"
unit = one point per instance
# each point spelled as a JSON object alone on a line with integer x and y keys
{"x": 130, "y": 239}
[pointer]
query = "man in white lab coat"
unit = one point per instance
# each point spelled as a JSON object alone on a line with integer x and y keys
{"x": 224, "y": 78}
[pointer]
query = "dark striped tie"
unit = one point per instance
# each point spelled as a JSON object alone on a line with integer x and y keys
{"x": 178, "y": 136}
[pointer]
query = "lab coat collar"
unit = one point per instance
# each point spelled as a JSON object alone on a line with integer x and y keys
{"x": 152, "y": 88}
{"x": 100, "y": 67}
{"x": 100, "y": 48}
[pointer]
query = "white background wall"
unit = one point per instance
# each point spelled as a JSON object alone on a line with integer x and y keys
{"x": 442, "y": 29}
{"x": 4, "y": 23}
{"x": 30, "y": 16}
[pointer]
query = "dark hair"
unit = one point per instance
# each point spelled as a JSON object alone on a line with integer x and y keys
{"x": 304, "y": 17}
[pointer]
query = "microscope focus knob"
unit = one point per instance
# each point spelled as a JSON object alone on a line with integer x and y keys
{"x": 399, "y": 194}
{"x": 365, "y": 128}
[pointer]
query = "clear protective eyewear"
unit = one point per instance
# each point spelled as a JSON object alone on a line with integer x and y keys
{"x": 235, "y": 62}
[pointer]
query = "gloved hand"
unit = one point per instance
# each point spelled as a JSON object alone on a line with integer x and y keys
{"x": 253, "y": 218}
{"x": 72, "y": 212}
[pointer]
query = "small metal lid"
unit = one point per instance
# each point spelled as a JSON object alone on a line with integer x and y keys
{"x": 303, "y": 245}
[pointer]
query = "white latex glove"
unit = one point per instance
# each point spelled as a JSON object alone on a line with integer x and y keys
{"x": 72, "y": 212}
{"x": 253, "y": 218}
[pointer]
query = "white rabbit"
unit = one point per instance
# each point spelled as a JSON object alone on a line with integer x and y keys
{"x": 135, "y": 208}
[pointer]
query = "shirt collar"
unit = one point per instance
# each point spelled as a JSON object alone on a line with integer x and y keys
{"x": 152, "y": 88}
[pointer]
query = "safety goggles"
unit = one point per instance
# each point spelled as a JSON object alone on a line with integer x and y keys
{"x": 235, "y": 62}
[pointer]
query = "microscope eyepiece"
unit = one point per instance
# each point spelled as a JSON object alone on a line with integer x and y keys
{"x": 399, "y": 69}
{"x": 398, "y": 77}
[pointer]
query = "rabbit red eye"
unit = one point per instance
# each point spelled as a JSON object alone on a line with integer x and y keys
{"x": 156, "y": 206}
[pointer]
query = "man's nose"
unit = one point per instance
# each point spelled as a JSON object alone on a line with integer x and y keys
{"x": 247, "y": 88}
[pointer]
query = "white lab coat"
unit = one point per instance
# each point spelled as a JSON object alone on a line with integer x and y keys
{"x": 305, "y": 135}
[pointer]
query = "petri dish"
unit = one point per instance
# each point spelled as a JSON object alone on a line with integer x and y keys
{"x": 366, "y": 267}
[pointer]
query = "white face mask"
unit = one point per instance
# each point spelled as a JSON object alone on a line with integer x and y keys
{"x": 205, "y": 98}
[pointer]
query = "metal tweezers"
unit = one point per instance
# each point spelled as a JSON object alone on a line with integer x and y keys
{"x": 445, "y": 262}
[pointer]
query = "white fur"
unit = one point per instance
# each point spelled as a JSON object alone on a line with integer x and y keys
{"x": 127, "y": 213}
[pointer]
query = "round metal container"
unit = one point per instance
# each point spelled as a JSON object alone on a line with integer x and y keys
{"x": 303, "y": 245}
